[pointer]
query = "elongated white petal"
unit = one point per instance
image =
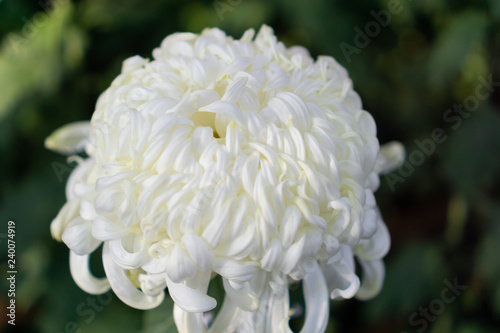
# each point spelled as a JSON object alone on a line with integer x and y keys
{"x": 80, "y": 271}
{"x": 69, "y": 139}
{"x": 188, "y": 322}
{"x": 340, "y": 276}
{"x": 245, "y": 298}
{"x": 228, "y": 110}
{"x": 229, "y": 319}
{"x": 199, "y": 251}
{"x": 289, "y": 225}
{"x": 237, "y": 271}
{"x": 105, "y": 230}
{"x": 316, "y": 298}
{"x": 189, "y": 299}
{"x": 292, "y": 256}
{"x": 240, "y": 247}
{"x": 124, "y": 288}
{"x": 192, "y": 321}
{"x": 179, "y": 266}
{"x": 274, "y": 306}
{"x": 376, "y": 246}
{"x": 271, "y": 258}
{"x": 373, "y": 278}
{"x": 369, "y": 223}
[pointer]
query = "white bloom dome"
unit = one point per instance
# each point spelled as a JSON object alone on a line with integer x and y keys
{"x": 241, "y": 158}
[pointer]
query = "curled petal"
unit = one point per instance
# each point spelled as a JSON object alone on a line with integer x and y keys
{"x": 155, "y": 265}
{"x": 79, "y": 267}
{"x": 229, "y": 318}
{"x": 373, "y": 278}
{"x": 272, "y": 256}
{"x": 190, "y": 299}
{"x": 340, "y": 276}
{"x": 237, "y": 271}
{"x": 78, "y": 237}
{"x": 226, "y": 109}
{"x": 188, "y": 322}
{"x": 198, "y": 250}
{"x": 369, "y": 223}
{"x": 124, "y": 288}
{"x": 375, "y": 247}
{"x": 289, "y": 225}
{"x": 316, "y": 298}
{"x": 125, "y": 258}
{"x": 178, "y": 266}
{"x": 152, "y": 284}
{"x": 241, "y": 246}
{"x": 235, "y": 88}
{"x": 244, "y": 297}
{"x": 274, "y": 306}
{"x": 69, "y": 139}
{"x": 343, "y": 207}
{"x": 292, "y": 256}
{"x": 105, "y": 230}
{"x": 133, "y": 63}
{"x": 67, "y": 213}
{"x": 391, "y": 156}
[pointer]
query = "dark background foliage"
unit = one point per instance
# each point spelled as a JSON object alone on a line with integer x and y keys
{"x": 413, "y": 73}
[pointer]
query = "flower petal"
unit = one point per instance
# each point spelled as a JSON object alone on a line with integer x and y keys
{"x": 390, "y": 157}
{"x": 199, "y": 251}
{"x": 105, "y": 230}
{"x": 67, "y": 213}
{"x": 373, "y": 278}
{"x": 69, "y": 139}
{"x": 274, "y": 306}
{"x": 292, "y": 256}
{"x": 124, "y": 258}
{"x": 78, "y": 236}
{"x": 80, "y": 271}
{"x": 316, "y": 298}
{"x": 179, "y": 266}
{"x": 244, "y": 297}
{"x": 229, "y": 318}
{"x": 123, "y": 287}
{"x": 375, "y": 247}
{"x": 188, "y": 322}
{"x": 340, "y": 276}
{"x": 152, "y": 284}
{"x": 289, "y": 225}
{"x": 272, "y": 256}
{"x": 237, "y": 271}
{"x": 190, "y": 299}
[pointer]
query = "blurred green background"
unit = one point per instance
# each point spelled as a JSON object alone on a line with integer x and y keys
{"x": 413, "y": 75}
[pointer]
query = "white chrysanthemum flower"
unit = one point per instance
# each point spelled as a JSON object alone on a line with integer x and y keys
{"x": 241, "y": 158}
